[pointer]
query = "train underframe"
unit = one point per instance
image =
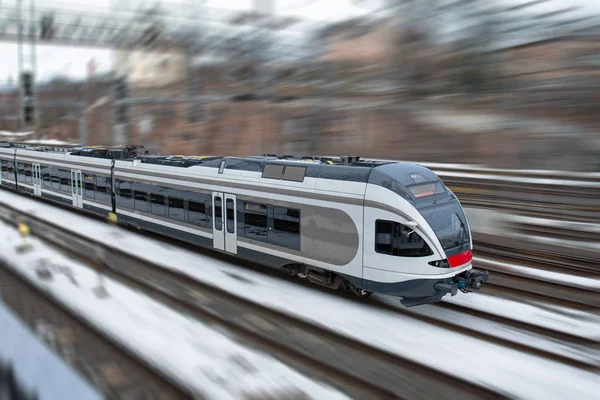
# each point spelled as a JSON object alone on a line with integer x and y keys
{"x": 428, "y": 290}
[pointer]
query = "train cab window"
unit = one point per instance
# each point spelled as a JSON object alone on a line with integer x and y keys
{"x": 89, "y": 186}
{"x": 399, "y": 240}
{"x": 286, "y": 228}
{"x": 65, "y": 182}
{"x": 295, "y": 174}
{"x": 272, "y": 171}
{"x": 196, "y": 213}
{"x": 176, "y": 208}
{"x": 141, "y": 200}
{"x": 255, "y": 221}
{"x": 157, "y": 204}
{"x": 28, "y": 173}
{"x": 124, "y": 194}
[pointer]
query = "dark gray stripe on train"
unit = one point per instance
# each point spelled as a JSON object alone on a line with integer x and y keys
{"x": 412, "y": 289}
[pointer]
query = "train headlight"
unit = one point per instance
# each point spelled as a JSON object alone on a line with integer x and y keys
{"x": 440, "y": 264}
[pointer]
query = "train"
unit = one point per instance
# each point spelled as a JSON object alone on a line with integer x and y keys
{"x": 366, "y": 226}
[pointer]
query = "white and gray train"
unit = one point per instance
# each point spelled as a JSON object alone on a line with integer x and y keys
{"x": 369, "y": 227}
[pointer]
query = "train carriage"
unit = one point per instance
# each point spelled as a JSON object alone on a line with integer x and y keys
{"x": 366, "y": 226}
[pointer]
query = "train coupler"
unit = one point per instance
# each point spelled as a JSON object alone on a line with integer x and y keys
{"x": 471, "y": 280}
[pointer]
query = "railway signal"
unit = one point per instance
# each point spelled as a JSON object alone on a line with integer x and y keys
{"x": 120, "y": 93}
{"x": 27, "y": 106}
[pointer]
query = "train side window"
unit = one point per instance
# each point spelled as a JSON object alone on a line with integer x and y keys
{"x": 196, "y": 213}
{"x": 102, "y": 189}
{"x": 255, "y": 221}
{"x": 286, "y": 228}
{"x": 295, "y": 174}
{"x": 55, "y": 179}
{"x": 399, "y": 240}
{"x": 89, "y": 186}
{"x": 4, "y": 168}
{"x": 141, "y": 200}
{"x": 10, "y": 168}
{"x": 28, "y": 173}
{"x": 124, "y": 194}
{"x": 176, "y": 208}
{"x": 65, "y": 180}
{"x": 21, "y": 172}
{"x": 272, "y": 171}
{"x": 157, "y": 204}
{"x": 46, "y": 176}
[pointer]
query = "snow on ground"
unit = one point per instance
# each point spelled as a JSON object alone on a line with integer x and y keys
{"x": 484, "y": 221}
{"x": 553, "y": 223}
{"x": 516, "y": 179}
{"x": 198, "y": 356}
{"x": 510, "y": 371}
{"x": 496, "y": 223}
{"x": 49, "y": 142}
{"x": 540, "y": 274}
{"x": 586, "y": 246}
{"x": 570, "y": 350}
{"x": 587, "y": 326}
{"x": 15, "y": 134}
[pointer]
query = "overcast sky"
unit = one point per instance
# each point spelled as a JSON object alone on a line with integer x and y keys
{"x": 69, "y": 61}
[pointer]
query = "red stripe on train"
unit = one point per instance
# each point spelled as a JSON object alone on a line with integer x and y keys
{"x": 460, "y": 259}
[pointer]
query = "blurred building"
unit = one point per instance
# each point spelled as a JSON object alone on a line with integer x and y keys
{"x": 145, "y": 68}
{"x": 9, "y": 108}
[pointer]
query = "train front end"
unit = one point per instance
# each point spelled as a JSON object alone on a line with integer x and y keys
{"x": 423, "y": 247}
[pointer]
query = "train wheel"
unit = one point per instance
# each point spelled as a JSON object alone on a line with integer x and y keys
{"x": 362, "y": 293}
{"x": 302, "y": 272}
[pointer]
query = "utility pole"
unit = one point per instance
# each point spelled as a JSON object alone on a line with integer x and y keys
{"x": 27, "y": 65}
{"x": 194, "y": 80}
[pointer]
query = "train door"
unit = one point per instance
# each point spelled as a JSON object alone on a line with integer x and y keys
{"x": 37, "y": 179}
{"x": 218, "y": 221}
{"x": 77, "y": 188}
{"x": 230, "y": 224}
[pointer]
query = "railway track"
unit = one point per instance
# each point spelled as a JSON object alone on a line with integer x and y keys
{"x": 527, "y": 208}
{"x": 112, "y": 370}
{"x": 353, "y": 367}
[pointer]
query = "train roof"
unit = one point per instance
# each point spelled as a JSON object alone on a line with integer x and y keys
{"x": 412, "y": 181}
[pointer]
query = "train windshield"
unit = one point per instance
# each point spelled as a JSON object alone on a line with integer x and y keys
{"x": 449, "y": 223}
